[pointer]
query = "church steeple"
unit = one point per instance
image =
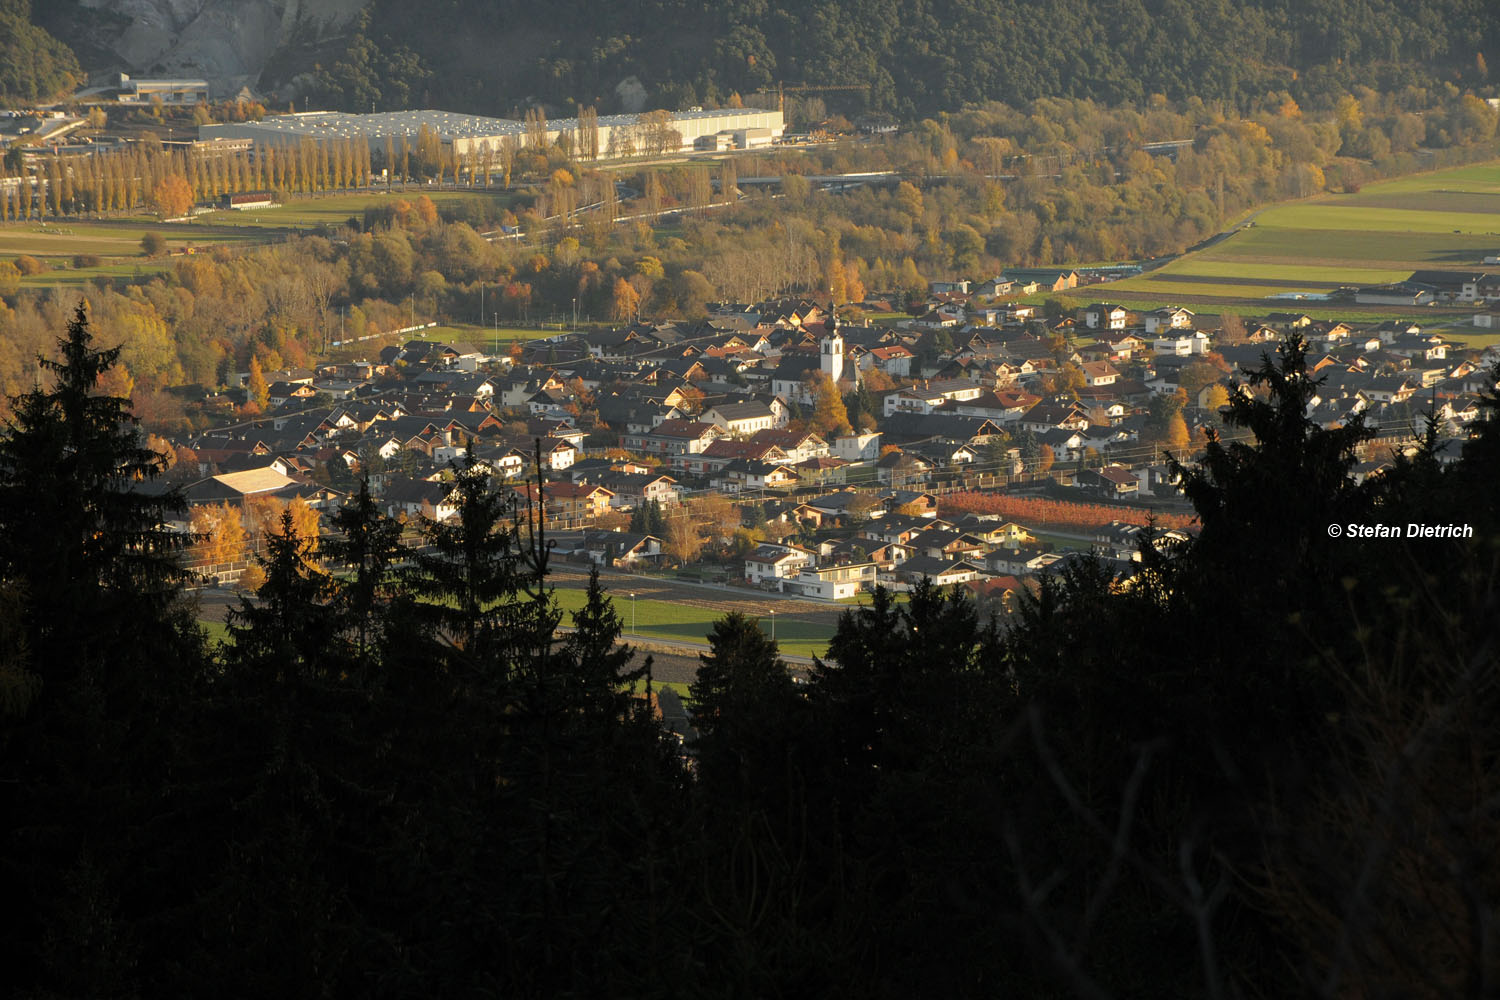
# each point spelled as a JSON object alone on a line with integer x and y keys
{"x": 831, "y": 355}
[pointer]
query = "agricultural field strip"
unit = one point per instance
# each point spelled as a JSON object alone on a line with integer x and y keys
{"x": 1259, "y": 307}
{"x": 1265, "y": 273}
{"x": 1359, "y": 218}
{"x": 65, "y": 241}
{"x": 803, "y": 627}
{"x": 1329, "y": 242}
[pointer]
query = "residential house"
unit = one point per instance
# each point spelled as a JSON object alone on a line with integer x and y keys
{"x": 1181, "y": 344}
{"x": 412, "y": 498}
{"x": 1055, "y": 416}
{"x": 723, "y": 451}
{"x": 1046, "y": 279}
{"x": 947, "y": 543}
{"x": 1459, "y": 286}
{"x": 1112, "y": 481}
{"x": 621, "y": 549}
{"x": 770, "y": 564}
{"x": 632, "y": 489}
{"x": 742, "y": 475}
{"x": 941, "y": 572}
{"x": 832, "y": 583}
{"x": 1106, "y": 316}
{"x": 857, "y": 447}
{"x": 1097, "y": 373}
{"x": 741, "y": 419}
{"x": 674, "y": 438}
{"x": 895, "y": 360}
{"x": 995, "y": 288}
{"x": 929, "y": 395}
{"x": 1168, "y": 318}
{"x": 898, "y": 467}
{"x": 568, "y": 504}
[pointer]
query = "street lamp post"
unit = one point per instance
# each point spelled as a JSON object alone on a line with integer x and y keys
{"x": 632, "y": 614}
{"x": 773, "y": 624}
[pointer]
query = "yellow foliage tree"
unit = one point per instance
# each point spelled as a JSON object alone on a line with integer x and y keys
{"x": 683, "y": 542}
{"x": 836, "y": 280}
{"x": 223, "y": 533}
{"x": 146, "y": 346}
{"x": 264, "y": 515}
{"x": 259, "y": 390}
{"x": 172, "y": 196}
{"x": 1176, "y": 440}
{"x": 623, "y": 302}
{"x": 829, "y": 415}
{"x": 426, "y": 211}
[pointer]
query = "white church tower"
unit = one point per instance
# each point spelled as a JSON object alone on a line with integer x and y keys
{"x": 831, "y": 360}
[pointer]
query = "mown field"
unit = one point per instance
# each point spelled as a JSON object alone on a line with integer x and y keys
{"x": 335, "y": 210}
{"x": 484, "y": 337}
{"x": 117, "y": 242}
{"x": 683, "y": 622}
{"x": 682, "y": 614}
{"x": 1448, "y": 219}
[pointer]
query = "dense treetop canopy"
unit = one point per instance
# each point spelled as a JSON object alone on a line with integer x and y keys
{"x": 914, "y": 57}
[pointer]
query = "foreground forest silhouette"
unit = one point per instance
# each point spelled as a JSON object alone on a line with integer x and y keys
{"x": 1264, "y": 765}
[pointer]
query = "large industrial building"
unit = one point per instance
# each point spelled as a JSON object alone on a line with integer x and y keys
{"x": 466, "y": 135}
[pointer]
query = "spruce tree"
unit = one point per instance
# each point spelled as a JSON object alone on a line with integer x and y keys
{"x": 80, "y": 533}
{"x": 369, "y": 544}
{"x": 104, "y": 654}
{"x": 470, "y": 570}
{"x": 597, "y": 663}
{"x": 743, "y": 702}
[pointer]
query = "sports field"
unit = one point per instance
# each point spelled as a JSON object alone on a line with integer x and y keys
{"x": 1449, "y": 219}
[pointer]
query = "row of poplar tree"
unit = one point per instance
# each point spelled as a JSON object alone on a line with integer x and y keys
{"x": 1260, "y": 763}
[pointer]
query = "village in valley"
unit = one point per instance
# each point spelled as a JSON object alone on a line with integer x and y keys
{"x": 777, "y": 447}
{"x": 976, "y": 432}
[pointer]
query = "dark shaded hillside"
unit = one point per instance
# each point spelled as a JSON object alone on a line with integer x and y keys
{"x": 915, "y": 57}
{"x": 910, "y": 57}
{"x": 34, "y": 66}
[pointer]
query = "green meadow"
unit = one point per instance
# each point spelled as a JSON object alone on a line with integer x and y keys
{"x": 1448, "y": 219}
{"x": 669, "y": 621}
{"x": 483, "y": 337}
{"x": 336, "y": 210}
{"x": 117, "y": 242}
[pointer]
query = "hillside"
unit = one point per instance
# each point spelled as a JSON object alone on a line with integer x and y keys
{"x": 913, "y": 57}
{"x": 34, "y": 66}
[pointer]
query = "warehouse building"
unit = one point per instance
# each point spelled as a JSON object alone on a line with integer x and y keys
{"x": 470, "y": 135}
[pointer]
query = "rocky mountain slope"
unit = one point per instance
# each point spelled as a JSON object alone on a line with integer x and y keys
{"x": 229, "y": 42}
